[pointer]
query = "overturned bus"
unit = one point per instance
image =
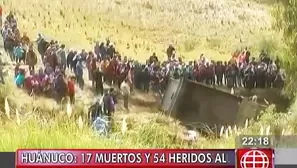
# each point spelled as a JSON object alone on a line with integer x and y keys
{"x": 193, "y": 103}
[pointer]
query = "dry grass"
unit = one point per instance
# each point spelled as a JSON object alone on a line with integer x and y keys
{"x": 214, "y": 27}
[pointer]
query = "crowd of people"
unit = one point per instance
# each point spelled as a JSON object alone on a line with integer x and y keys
{"x": 239, "y": 71}
{"x": 105, "y": 64}
{"x": 51, "y": 79}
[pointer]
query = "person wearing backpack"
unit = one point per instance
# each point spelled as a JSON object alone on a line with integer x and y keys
{"x": 20, "y": 78}
{"x": 18, "y": 53}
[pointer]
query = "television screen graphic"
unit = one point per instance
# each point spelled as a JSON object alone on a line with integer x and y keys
{"x": 148, "y": 83}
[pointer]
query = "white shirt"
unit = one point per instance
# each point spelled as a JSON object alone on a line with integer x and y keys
{"x": 125, "y": 88}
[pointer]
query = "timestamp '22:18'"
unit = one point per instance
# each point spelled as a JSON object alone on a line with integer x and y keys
{"x": 255, "y": 141}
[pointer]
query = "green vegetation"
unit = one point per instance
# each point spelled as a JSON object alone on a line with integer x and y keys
{"x": 285, "y": 22}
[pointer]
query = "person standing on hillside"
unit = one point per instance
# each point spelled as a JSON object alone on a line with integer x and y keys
{"x": 1, "y": 70}
{"x": 108, "y": 105}
{"x": 125, "y": 89}
{"x": 18, "y": 52}
{"x": 93, "y": 67}
{"x": 170, "y": 50}
{"x": 17, "y": 34}
{"x": 51, "y": 56}
{"x": 113, "y": 94}
{"x": 61, "y": 57}
{"x": 71, "y": 89}
{"x": 89, "y": 61}
{"x": 12, "y": 21}
{"x": 1, "y": 16}
{"x": 25, "y": 40}
{"x": 61, "y": 87}
{"x": 9, "y": 17}
{"x": 103, "y": 51}
{"x": 145, "y": 77}
{"x": 97, "y": 49}
{"x": 110, "y": 50}
{"x": 31, "y": 58}
{"x": 98, "y": 79}
{"x": 79, "y": 71}
{"x": 20, "y": 79}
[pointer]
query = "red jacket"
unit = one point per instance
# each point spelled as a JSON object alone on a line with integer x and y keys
{"x": 28, "y": 83}
{"x": 1, "y": 11}
{"x": 71, "y": 87}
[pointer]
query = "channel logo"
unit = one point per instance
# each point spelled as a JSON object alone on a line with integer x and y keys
{"x": 255, "y": 158}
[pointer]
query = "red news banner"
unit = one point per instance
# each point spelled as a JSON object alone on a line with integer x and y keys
{"x": 214, "y": 158}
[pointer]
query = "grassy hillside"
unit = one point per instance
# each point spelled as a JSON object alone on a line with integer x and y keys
{"x": 214, "y": 27}
{"x": 39, "y": 123}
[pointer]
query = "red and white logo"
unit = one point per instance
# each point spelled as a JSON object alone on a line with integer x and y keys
{"x": 252, "y": 158}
